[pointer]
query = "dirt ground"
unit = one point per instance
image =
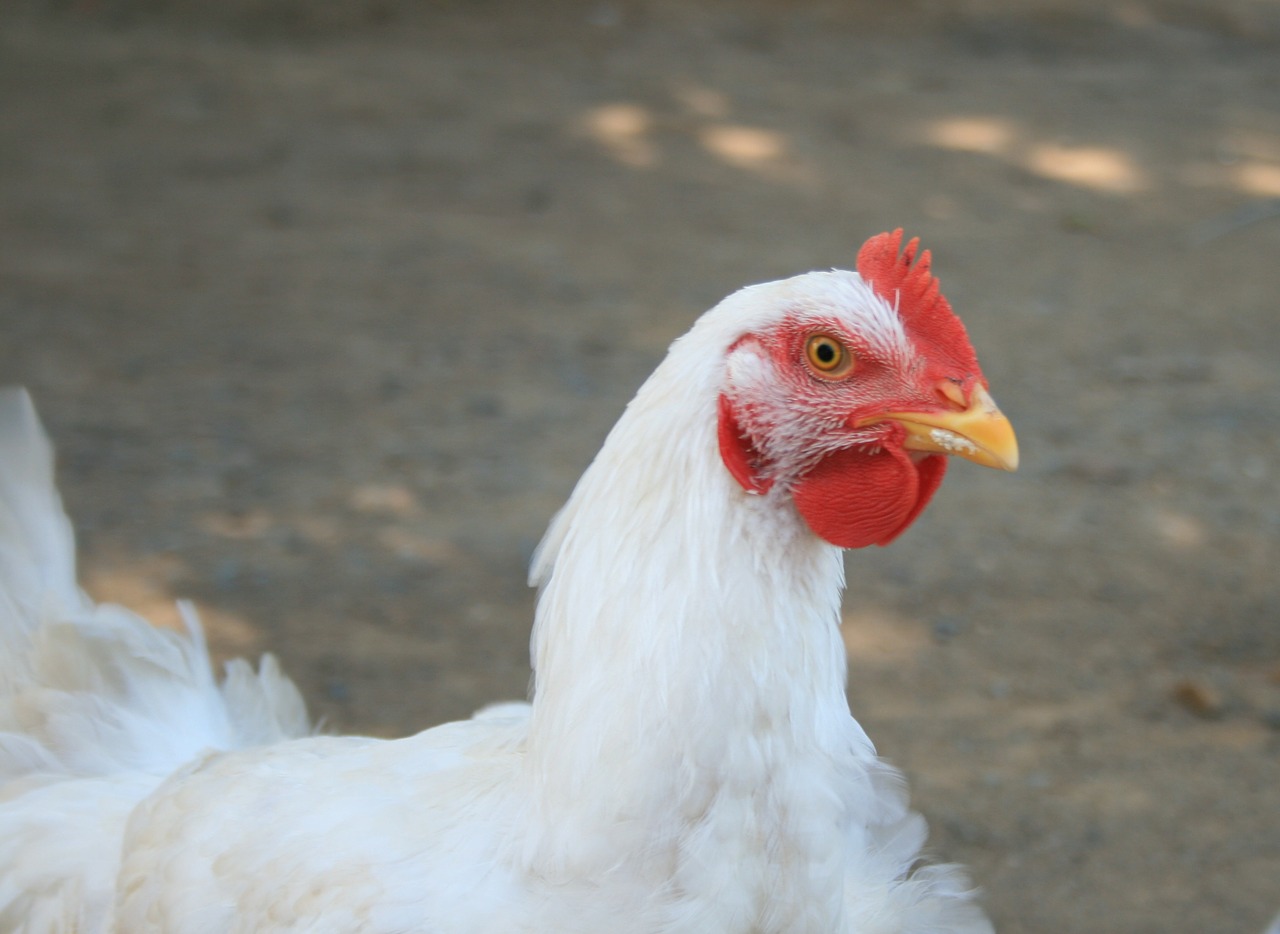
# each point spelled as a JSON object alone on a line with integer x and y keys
{"x": 327, "y": 305}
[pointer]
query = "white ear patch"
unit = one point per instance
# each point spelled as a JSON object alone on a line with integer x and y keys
{"x": 748, "y": 367}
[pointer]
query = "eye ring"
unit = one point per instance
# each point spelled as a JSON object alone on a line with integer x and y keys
{"x": 828, "y": 357}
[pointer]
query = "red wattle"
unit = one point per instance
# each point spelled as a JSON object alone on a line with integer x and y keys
{"x": 853, "y": 499}
{"x": 737, "y": 451}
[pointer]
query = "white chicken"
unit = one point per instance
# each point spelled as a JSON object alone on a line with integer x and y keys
{"x": 688, "y": 762}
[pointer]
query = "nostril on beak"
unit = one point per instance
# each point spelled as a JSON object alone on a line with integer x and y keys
{"x": 953, "y": 392}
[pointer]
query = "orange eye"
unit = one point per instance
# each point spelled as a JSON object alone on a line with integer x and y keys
{"x": 828, "y": 357}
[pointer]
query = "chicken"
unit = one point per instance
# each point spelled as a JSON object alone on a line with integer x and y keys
{"x": 688, "y": 762}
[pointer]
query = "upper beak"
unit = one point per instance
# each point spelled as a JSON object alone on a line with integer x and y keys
{"x": 979, "y": 432}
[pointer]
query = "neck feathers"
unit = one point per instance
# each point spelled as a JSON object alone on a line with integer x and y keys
{"x": 686, "y": 643}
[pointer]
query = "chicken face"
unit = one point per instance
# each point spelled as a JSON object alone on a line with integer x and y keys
{"x": 853, "y": 397}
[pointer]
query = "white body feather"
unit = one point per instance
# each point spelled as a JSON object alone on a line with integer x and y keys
{"x": 689, "y": 763}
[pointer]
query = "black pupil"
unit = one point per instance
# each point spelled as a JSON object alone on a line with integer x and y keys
{"x": 826, "y": 353}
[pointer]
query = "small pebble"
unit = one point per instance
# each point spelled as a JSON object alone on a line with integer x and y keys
{"x": 1199, "y": 698}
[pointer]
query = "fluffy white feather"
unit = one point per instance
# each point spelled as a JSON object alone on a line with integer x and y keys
{"x": 689, "y": 763}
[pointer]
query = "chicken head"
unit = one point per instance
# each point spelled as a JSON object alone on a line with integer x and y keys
{"x": 850, "y": 396}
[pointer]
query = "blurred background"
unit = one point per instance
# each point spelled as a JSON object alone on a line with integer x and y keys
{"x": 327, "y": 304}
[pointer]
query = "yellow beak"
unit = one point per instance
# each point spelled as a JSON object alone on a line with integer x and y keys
{"x": 979, "y": 433}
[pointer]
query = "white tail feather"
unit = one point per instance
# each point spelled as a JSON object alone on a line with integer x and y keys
{"x": 37, "y": 545}
{"x": 96, "y": 686}
{"x": 97, "y": 706}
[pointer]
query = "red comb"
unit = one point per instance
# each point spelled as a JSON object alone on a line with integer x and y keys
{"x": 900, "y": 279}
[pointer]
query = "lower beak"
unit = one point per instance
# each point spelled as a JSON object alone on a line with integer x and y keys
{"x": 979, "y": 433}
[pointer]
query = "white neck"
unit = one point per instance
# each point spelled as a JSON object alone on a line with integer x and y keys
{"x": 689, "y": 667}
